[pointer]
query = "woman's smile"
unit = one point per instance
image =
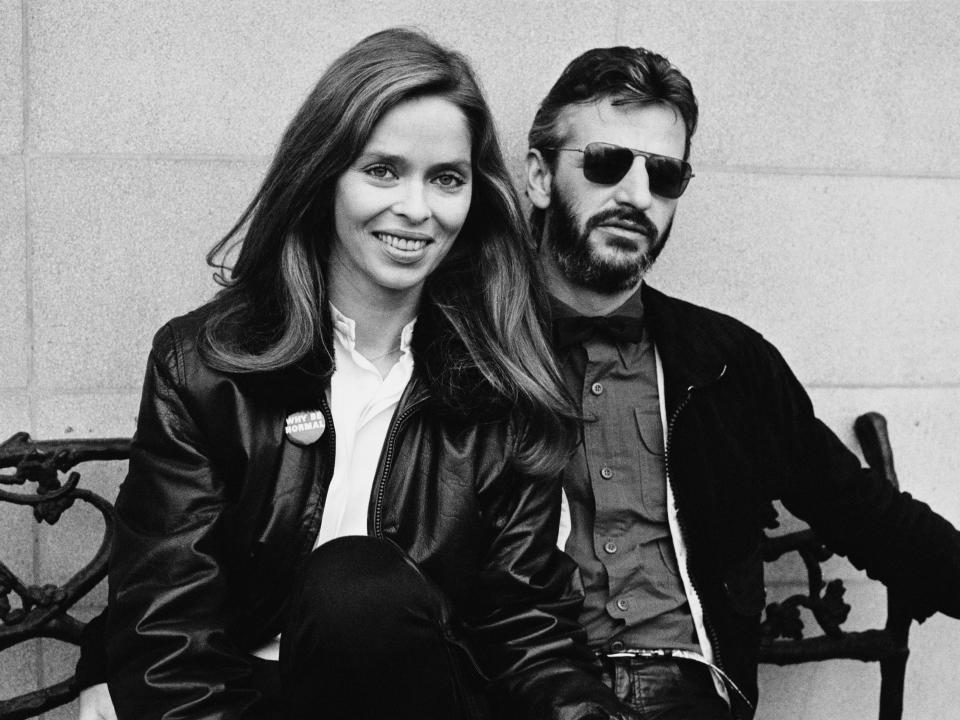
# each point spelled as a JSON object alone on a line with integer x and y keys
{"x": 403, "y": 247}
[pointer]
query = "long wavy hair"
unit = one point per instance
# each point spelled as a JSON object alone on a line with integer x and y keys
{"x": 482, "y": 305}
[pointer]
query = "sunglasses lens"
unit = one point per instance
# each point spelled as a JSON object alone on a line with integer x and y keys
{"x": 668, "y": 176}
{"x": 606, "y": 164}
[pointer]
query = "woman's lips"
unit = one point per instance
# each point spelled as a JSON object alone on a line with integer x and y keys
{"x": 403, "y": 243}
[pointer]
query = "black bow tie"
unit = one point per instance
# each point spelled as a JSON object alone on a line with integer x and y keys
{"x": 577, "y": 330}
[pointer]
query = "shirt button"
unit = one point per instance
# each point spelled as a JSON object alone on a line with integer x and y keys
{"x": 610, "y": 547}
{"x": 606, "y": 473}
{"x": 596, "y": 388}
{"x": 622, "y": 604}
{"x": 617, "y": 646}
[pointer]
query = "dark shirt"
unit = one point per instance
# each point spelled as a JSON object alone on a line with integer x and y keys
{"x": 616, "y": 490}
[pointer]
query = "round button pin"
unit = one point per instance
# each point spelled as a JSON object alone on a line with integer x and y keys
{"x": 304, "y": 427}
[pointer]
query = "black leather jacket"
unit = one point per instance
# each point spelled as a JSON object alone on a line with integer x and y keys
{"x": 741, "y": 433}
{"x": 219, "y": 509}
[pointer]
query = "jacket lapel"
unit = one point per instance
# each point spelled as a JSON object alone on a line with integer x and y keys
{"x": 691, "y": 359}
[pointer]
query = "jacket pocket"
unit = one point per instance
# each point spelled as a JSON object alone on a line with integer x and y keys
{"x": 743, "y": 584}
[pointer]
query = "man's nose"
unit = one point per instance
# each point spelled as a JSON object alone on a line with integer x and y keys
{"x": 634, "y": 188}
{"x": 413, "y": 203}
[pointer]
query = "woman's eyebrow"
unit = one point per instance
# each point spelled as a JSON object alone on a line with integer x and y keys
{"x": 382, "y": 156}
{"x": 461, "y": 165}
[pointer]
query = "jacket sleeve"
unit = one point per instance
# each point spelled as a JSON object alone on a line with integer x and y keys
{"x": 892, "y": 536}
{"x": 92, "y": 664}
{"x": 525, "y": 632}
{"x": 168, "y": 653}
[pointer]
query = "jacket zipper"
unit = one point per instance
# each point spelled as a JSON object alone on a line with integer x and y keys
{"x": 708, "y": 626}
{"x": 466, "y": 705}
{"x": 389, "y": 452}
{"x": 330, "y": 436}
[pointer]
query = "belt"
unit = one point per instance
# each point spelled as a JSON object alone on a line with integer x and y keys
{"x": 676, "y": 654}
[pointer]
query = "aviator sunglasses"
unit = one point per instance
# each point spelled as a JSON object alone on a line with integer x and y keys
{"x": 607, "y": 164}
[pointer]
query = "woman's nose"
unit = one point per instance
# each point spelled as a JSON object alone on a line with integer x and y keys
{"x": 413, "y": 203}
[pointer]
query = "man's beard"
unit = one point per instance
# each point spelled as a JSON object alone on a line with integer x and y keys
{"x": 584, "y": 265}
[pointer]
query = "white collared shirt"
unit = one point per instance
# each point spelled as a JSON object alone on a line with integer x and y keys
{"x": 362, "y": 402}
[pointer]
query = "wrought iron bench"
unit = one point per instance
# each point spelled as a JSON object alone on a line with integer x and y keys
{"x": 44, "y": 611}
{"x": 782, "y": 641}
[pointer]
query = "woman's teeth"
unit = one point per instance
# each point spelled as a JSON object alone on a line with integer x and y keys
{"x": 400, "y": 243}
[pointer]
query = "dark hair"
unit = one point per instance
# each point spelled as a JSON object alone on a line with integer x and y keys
{"x": 482, "y": 301}
{"x": 623, "y": 74}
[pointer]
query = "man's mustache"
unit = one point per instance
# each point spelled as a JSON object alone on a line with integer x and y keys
{"x": 627, "y": 215}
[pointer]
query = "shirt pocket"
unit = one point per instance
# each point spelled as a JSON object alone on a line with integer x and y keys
{"x": 650, "y": 429}
{"x": 653, "y": 477}
{"x": 668, "y": 555}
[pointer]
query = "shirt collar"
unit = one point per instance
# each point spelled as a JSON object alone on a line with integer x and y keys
{"x": 345, "y": 330}
{"x": 631, "y": 308}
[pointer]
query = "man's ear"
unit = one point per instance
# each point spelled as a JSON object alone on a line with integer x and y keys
{"x": 539, "y": 179}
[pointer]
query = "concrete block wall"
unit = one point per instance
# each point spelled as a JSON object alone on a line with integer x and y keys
{"x": 825, "y": 212}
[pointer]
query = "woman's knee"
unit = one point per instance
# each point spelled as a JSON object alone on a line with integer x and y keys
{"x": 357, "y": 577}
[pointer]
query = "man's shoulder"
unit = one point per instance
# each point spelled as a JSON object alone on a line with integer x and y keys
{"x": 684, "y": 317}
{"x": 697, "y": 344}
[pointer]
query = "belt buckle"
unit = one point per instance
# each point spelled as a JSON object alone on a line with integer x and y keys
{"x": 630, "y": 653}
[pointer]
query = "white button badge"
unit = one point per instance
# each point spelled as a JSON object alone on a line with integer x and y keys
{"x": 305, "y": 427}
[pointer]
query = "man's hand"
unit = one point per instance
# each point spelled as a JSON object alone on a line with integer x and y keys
{"x": 96, "y": 704}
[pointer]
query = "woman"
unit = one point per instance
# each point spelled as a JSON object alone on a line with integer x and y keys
{"x": 347, "y": 460}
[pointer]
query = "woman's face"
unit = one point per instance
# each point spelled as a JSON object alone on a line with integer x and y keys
{"x": 399, "y": 206}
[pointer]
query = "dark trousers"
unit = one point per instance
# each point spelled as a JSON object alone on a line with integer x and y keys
{"x": 665, "y": 689}
{"x": 368, "y": 637}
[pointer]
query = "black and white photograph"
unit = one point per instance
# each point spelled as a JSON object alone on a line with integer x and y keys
{"x": 492, "y": 360}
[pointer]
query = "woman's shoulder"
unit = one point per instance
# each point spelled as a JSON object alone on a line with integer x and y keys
{"x": 176, "y": 344}
{"x": 179, "y": 346}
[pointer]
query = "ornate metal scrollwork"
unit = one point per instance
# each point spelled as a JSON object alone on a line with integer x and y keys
{"x": 823, "y": 600}
{"x": 42, "y": 611}
{"x": 782, "y": 628}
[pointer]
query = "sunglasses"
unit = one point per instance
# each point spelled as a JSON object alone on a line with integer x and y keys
{"x": 607, "y": 164}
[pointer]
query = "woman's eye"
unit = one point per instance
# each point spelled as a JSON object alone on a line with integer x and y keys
{"x": 449, "y": 181}
{"x": 380, "y": 172}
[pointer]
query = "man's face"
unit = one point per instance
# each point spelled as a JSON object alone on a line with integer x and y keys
{"x": 605, "y": 237}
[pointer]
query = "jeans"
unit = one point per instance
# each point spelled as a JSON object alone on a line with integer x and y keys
{"x": 665, "y": 689}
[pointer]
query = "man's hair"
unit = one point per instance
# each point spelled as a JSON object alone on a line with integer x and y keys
{"x": 272, "y": 311}
{"x": 625, "y": 76}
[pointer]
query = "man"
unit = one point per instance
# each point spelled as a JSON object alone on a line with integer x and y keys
{"x": 693, "y": 422}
